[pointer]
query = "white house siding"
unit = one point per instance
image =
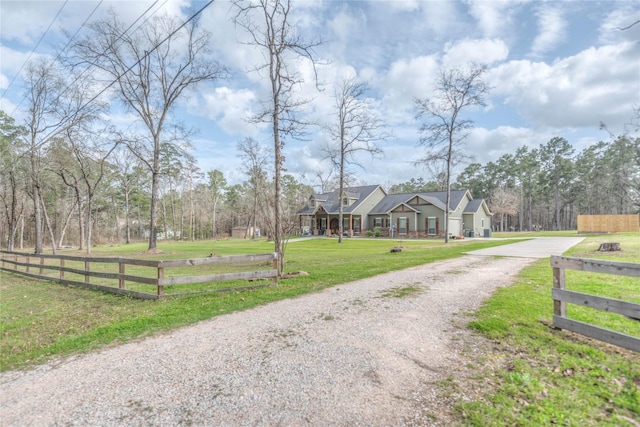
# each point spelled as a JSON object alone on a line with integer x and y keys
{"x": 455, "y": 226}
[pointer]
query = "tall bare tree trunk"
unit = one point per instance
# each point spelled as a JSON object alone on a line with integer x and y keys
{"x": 46, "y": 218}
{"x": 21, "y": 232}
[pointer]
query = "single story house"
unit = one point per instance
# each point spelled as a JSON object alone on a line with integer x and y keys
{"x": 403, "y": 215}
{"x": 320, "y": 216}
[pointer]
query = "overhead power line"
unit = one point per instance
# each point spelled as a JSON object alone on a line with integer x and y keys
{"x": 138, "y": 61}
{"x": 76, "y": 33}
{"x": 59, "y": 53}
{"x": 117, "y": 40}
{"x": 147, "y": 53}
{"x": 35, "y": 47}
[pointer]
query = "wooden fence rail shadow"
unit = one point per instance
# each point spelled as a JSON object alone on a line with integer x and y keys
{"x": 26, "y": 263}
{"x": 561, "y": 296}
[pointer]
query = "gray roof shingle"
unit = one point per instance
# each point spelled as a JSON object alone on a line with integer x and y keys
{"x": 437, "y": 198}
{"x": 329, "y": 200}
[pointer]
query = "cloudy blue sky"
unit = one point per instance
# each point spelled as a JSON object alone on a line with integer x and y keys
{"x": 557, "y": 68}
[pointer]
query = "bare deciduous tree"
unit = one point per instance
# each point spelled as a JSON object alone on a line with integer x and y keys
{"x": 324, "y": 177}
{"x": 356, "y": 130}
{"x": 53, "y": 108}
{"x": 445, "y": 129}
{"x": 269, "y": 25}
{"x": 151, "y": 68}
{"x": 254, "y": 159}
{"x": 504, "y": 201}
{"x": 12, "y": 174}
{"x": 126, "y": 175}
{"x": 82, "y": 161}
{"x": 217, "y": 185}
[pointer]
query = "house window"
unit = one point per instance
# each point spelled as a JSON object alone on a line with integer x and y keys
{"x": 345, "y": 224}
{"x": 345, "y": 202}
{"x": 403, "y": 225}
{"x": 377, "y": 223}
{"x": 356, "y": 225}
{"x": 432, "y": 226}
{"x": 482, "y": 223}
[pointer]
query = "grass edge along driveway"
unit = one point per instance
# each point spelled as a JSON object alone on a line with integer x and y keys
{"x": 43, "y": 319}
{"x": 533, "y": 375}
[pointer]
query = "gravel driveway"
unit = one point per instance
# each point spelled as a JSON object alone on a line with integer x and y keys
{"x": 350, "y": 355}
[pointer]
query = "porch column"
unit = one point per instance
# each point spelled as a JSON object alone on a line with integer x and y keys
{"x": 350, "y": 225}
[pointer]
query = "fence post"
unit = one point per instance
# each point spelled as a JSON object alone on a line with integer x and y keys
{"x": 61, "y": 268}
{"x": 41, "y": 264}
{"x": 121, "y": 278}
{"x": 15, "y": 260}
{"x": 160, "y": 276}
{"x": 87, "y": 268}
{"x": 559, "y": 307}
{"x": 28, "y": 262}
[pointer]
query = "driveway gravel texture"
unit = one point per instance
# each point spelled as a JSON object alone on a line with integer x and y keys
{"x": 358, "y": 354}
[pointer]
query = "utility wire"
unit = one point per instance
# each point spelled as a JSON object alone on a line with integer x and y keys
{"x": 78, "y": 30}
{"x": 116, "y": 41}
{"x": 147, "y": 53}
{"x": 137, "y": 62}
{"x": 35, "y": 47}
{"x": 83, "y": 24}
{"x": 59, "y": 53}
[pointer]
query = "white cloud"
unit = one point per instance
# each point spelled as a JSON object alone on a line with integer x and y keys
{"x": 438, "y": 20}
{"x": 405, "y": 80}
{"x": 551, "y": 30}
{"x": 486, "y": 51}
{"x": 230, "y": 108}
{"x": 343, "y": 24}
{"x": 578, "y": 91}
{"x": 495, "y": 18}
{"x": 490, "y": 144}
{"x": 618, "y": 23}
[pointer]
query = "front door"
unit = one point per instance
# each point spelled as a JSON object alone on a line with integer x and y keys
{"x": 334, "y": 226}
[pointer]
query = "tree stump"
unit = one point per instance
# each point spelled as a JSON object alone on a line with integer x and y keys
{"x": 609, "y": 247}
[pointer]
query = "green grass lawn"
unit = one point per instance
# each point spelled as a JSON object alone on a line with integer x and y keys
{"x": 551, "y": 377}
{"x": 40, "y": 319}
{"x": 532, "y": 375}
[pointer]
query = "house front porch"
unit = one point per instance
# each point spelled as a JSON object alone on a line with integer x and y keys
{"x": 328, "y": 225}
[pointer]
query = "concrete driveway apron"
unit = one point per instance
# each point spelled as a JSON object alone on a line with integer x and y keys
{"x": 539, "y": 247}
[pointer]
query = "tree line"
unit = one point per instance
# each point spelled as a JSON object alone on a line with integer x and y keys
{"x": 547, "y": 187}
{"x": 68, "y": 176}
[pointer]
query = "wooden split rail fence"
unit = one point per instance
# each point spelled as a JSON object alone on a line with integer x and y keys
{"x": 37, "y": 265}
{"x": 561, "y": 296}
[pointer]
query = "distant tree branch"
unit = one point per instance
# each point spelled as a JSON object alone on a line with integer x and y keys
{"x": 629, "y": 26}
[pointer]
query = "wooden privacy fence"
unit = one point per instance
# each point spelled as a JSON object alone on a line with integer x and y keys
{"x": 37, "y": 265}
{"x": 609, "y": 223}
{"x": 561, "y": 296}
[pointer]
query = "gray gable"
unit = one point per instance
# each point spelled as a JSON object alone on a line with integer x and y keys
{"x": 437, "y": 198}
{"x": 454, "y": 201}
{"x": 331, "y": 203}
{"x": 473, "y": 206}
{"x": 389, "y": 202}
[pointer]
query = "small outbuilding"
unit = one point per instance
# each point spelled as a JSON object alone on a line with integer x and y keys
{"x": 241, "y": 232}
